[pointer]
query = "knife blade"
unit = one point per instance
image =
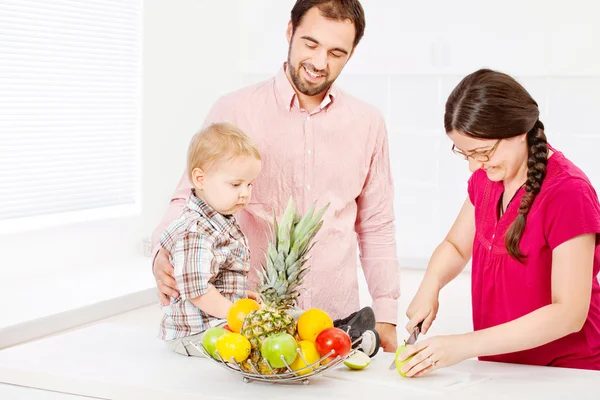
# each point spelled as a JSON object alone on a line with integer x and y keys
{"x": 412, "y": 339}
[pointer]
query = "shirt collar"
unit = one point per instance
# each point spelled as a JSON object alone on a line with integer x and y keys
{"x": 219, "y": 221}
{"x": 288, "y": 94}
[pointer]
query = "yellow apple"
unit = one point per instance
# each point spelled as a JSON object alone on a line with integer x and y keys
{"x": 399, "y": 364}
{"x": 358, "y": 361}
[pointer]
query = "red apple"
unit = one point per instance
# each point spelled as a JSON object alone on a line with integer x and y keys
{"x": 333, "y": 339}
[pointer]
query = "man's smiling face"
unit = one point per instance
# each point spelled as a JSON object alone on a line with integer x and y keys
{"x": 318, "y": 51}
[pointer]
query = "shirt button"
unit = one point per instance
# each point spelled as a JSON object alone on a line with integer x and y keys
{"x": 307, "y": 187}
{"x": 308, "y": 118}
{"x": 309, "y": 152}
{"x": 490, "y": 247}
{"x": 493, "y": 236}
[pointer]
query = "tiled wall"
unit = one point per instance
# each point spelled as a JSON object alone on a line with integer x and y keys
{"x": 412, "y": 56}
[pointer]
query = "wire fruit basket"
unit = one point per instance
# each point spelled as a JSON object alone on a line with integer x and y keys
{"x": 289, "y": 376}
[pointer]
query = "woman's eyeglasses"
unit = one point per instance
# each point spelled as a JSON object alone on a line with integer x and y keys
{"x": 479, "y": 156}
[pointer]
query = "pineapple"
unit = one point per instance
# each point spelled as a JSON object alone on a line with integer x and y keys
{"x": 260, "y": 365}
{"x": 281, "y": 278}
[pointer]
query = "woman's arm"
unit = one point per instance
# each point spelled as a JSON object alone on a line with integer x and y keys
{"x": 447, "y": 261}
{"x": 572, "y": 266}
{"x": 453, "y": 254}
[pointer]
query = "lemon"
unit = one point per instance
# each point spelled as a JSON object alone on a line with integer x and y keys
{"x": 310, "y": 354}
{"x": 358, "y": 360}
{"x": 233, "y": 345}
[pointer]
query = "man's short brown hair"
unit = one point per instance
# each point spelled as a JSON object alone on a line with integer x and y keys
{"x": 338, "y": 10}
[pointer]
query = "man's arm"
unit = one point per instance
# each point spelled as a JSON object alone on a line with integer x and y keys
{"x": 375, "y": 228}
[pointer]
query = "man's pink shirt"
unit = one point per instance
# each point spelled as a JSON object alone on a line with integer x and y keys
{"x": 336, "y": 154}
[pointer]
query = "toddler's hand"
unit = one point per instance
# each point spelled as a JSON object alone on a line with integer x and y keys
{"x": 254, "y": 296}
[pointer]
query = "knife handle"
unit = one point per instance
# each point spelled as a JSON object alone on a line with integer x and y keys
{"x": 420, "y": 326}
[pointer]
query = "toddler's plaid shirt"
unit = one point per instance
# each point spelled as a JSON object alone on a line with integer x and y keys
{"x": 207, "y": 250}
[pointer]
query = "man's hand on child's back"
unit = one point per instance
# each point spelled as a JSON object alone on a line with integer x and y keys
{"x": 163, "y": 274}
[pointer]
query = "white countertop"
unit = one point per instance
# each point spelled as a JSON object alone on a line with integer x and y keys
{"x": 113, "y": 360}
{"x": 13, "y": 392}
{"x": 60, "y": 299}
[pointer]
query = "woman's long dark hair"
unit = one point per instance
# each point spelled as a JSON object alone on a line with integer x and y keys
{"x": 491, "y": 105}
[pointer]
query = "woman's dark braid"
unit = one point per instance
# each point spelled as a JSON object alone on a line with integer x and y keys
{"x": 536, "y": 172}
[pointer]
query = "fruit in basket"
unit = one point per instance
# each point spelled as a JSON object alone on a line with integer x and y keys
{"x": 279, "y": 350}
{"x": 312, "y": 322}
{"x": 233, "y": 345}
{"x": 358, "y": 360}
{"x": 282, "y": 274}
{"x": 399, "y": 364}
{"x": 209, "y": 340}
{"x": 308, "y": 353}
{"x": 238, "y": 312}
{"x": 260, "y": 366}
{"x": 333, "y": 339}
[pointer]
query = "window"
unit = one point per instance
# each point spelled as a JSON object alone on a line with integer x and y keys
{"x": 70, "y": 109}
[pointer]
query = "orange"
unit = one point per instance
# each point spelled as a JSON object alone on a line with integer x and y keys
{"x": 238, "y": 312}
{"x": 233, "y": 345}
{"x": 312, "y": 322}
{"x": 310, "y": 354}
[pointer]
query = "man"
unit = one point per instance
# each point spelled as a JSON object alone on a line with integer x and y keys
{"x": 318, "y": 144}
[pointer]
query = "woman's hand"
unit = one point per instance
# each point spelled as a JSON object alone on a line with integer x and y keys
{"x": 435, "y": 353}
{"x": 423, "y": 308}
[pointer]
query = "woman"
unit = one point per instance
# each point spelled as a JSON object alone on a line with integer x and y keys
{"x": 531, "y": 223}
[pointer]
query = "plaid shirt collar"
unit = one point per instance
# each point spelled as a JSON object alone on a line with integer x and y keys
{"x": 219, "y": 221}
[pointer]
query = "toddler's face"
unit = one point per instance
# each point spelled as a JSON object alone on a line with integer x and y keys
{"x": 227, "y": 187}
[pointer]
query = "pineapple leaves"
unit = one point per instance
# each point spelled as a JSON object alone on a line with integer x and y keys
{"x": 290, "y": 243}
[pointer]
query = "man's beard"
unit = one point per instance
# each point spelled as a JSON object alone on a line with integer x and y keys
{"x": 301, "y": 85}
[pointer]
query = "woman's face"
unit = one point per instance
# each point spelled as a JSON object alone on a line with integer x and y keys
{"x": 502, "y": 159}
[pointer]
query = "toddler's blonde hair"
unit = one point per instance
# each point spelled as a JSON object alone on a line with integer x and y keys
{"x": 218, "y": 142}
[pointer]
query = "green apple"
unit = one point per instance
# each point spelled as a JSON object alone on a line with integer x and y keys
{"x": 399, "y": 364}
{"x": 209, "y": 339}
{"x": 358, "y": 360}
{"x": 275, "y": 346}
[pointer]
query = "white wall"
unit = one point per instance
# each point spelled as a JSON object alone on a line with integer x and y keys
{"x": 412, "y": 56}
{"x": 191, "y": 57}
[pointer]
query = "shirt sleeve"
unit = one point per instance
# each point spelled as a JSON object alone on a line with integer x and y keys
{"x": 195, "y": 264}
{"x": 572, "y": 210}
{"x": 473, "y": 185}
{"x": 375, "y": 227}
{"x": 221, "y": 111}
{"x": 174, "y": 210}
